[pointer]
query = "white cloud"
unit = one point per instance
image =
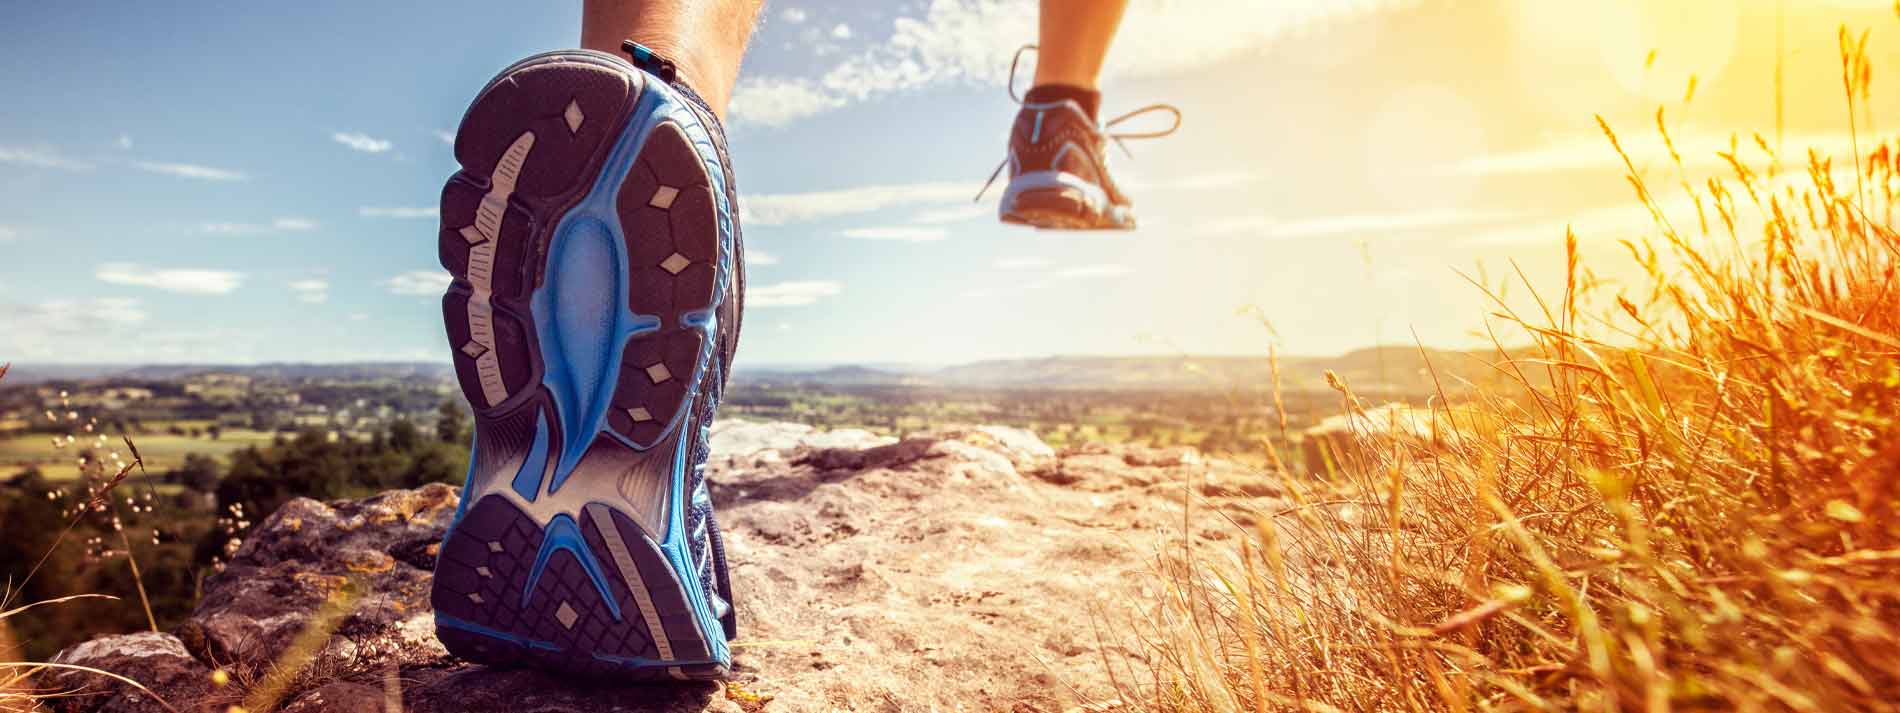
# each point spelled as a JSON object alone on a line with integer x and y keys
{"x": 793, "y": 15}
{"x": 420, "y": 283}
{"x": 1020, "y": 263}
{"x": 399, "y": 212}
{"x": 359, "y": 317}
{"x": 774, "y": 101}
{"x": 125, "y": 141}
{"x": 842, "y": 31}
{"x": 956, "y": 214}
{"x": 311, "y": 291}
{"x": 905, "y": 233}
{"x": 41, "y": 157}
{"x": 759, "y": 258}
{"x": 189, "y": 170}
{"x": 188, "y": 281}
{"x": 791, "y": 294}
{"x": 8, "y": 234}
{"x": 971, "y": 42}
{"x": 784, "y": 208}
{"x": 1084, "y": 272}
{"x": 360, "y": 141}
{"x": 447, "y": 137}
{"x": 69, "y": 316}
{"x": 280, "y": 225}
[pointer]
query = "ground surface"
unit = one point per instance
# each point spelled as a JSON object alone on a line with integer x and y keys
{"x": 966, "y": 569}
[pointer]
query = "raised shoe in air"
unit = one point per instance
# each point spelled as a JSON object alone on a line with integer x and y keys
{"x": 593, "y": 235}
{"x": 1058, "y": 168}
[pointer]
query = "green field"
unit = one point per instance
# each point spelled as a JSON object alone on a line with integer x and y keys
{"x": 161, "y": 451}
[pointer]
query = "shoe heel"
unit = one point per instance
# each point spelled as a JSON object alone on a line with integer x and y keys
{"x": 592, "y": 595}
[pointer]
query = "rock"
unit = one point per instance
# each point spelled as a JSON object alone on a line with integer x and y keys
{"x": 371, "y": 557}
{"x": 962, "y": 568}
{"x": 157, "y": 661}
{"x": 735, "y": 438}
{"x": 475, "y": 688}
{"x": 341, "y": 697}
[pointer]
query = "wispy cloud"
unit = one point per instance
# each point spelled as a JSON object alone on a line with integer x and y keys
{"x": 1349, "y": 225}
{"x": 359, "y": 141}
{"x": 971, "y": 41}
{"x": 791, "y": 294}
{"x": 776, "y": 101}
{"x": 280, "y": 225}
{"x": 1021, "y": 263}
{"x": 786, "y": 208}
{"x": 188, "y": 281}
{"x": 189, "y": 170}
{"x": 8, "y": 234}
{"x": 759, "y": 258}
{"x": 956, "y": 214}
{"x": 841, "y": 31}
{"x": 399, "y": 212}
{"x": 51, "y": 317}
{"x": 1088, "y": 272}
{"x": 447, "y": 137}
{"x": 41, "y": 157}
{"x": 793, "y": 15}
{"x": 904, "y": 233}
{"x": 311, "y": 291}
{"x": 125, "y": 141}
{"x": 419, "y": 283}
{"x": 1032, "y": 277}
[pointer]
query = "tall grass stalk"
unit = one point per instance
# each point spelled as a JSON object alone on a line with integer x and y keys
{"x": 1689, "y": 499}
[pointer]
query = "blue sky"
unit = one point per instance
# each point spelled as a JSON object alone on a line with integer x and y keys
{"x": 242, "y": 182}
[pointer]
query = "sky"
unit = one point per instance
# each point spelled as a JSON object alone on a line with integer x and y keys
{"x": 251, "y": 182}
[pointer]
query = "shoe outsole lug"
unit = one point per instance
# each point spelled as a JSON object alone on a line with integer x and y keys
{"x": 539, "y": 569}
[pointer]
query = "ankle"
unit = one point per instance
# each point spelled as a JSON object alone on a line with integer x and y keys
{"x": 705, "y": 74}
{"x": 1088, "y": 98}
{"x": 705, "y": 48}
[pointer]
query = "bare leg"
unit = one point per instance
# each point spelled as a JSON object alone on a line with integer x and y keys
{"x": 704, "y": 38}
{"x": 1073, "y": 40}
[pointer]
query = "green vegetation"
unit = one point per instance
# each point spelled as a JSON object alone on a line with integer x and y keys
{"x": 162, "y": 449}
{"x": 182, "y": 522}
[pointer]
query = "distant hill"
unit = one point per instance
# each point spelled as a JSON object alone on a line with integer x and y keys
{"x": 1399, "y": 369}
{"x": 1403, "y": 369}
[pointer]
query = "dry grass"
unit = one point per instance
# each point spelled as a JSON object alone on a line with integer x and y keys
{"x": 1688, "y": 502}
{"x": 20, "y": 688}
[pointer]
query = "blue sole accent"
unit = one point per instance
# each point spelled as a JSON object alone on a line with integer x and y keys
{"x": 573, "y": 318}
{"x": 474, "y": 628}
{"x": 581, "y": 403}
{"x": 564, "y": 534}
{"x": 527, "y": 481}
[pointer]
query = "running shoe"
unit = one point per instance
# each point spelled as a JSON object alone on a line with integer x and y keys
{"x": 593, "y": 235}
{"x": 1058, "y": 167}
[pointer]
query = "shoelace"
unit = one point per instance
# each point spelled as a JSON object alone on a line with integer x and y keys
{"x": 1118, "y": 137}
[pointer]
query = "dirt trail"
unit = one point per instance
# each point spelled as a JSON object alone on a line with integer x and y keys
{"x": 963, "y": 569}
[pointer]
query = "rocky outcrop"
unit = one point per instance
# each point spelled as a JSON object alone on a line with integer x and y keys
{"x": 157, "y": 661}
{"x": 965, "y": 568}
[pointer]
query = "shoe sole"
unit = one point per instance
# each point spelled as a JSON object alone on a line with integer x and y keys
{"x": 590, "y": 243}
{"x": 1060, "y": 201}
